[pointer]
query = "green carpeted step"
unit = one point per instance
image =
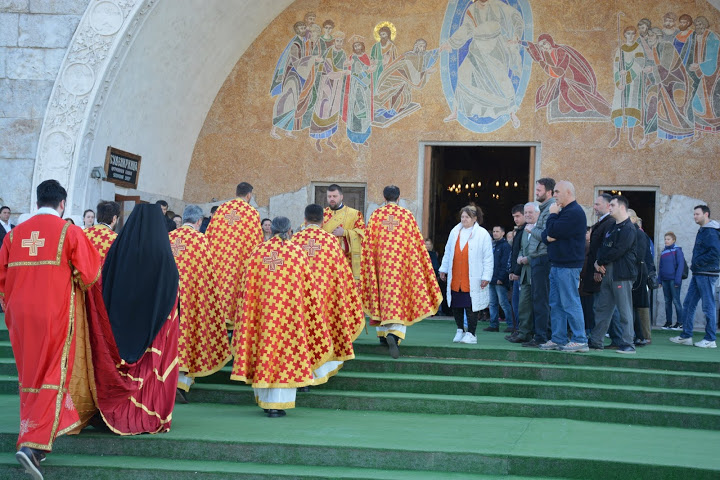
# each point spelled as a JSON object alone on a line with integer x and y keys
{"x": 92, "y": 467}
{"x": 6, "y": 349}
{"x": 496, "y": 406}
{"x": 7, "y": 366}
{"x": 406, "y": 441}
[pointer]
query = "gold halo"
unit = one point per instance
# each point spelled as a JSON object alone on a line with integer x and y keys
{"x": 393, "y": 30}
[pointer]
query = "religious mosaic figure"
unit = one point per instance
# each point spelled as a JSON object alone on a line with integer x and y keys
{"x": 570, "y": 93}
{"x": 384, "y": 51}
{"x": 673, "y": 88}
{"x": 288, "y": 81}
{"x": 628, "y": 100}
{"x": 683, "y": 36}
{"x": 309, "y": 93}
{"x": 327, "y": 37}
{"x": 650, "y": 82}
{"x": 358, "y": 104}
{"x": 484, "y": 86}
{"x": 393, "y": 90}
{"x": 328, "y": 107}
{"x": 703, "y": 67}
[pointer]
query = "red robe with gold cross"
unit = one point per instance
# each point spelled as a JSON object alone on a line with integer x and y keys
{"x": 280, "y": 338}
{"x": 45, "y": 265}
{"x": 203, "y": 346}
{"x": 132, "y": 398}
{"x": 233, "y": 234}
{"x": 351, "y": 242}
{"x": 398, "y": 280}
{"x": 338, "y": 299}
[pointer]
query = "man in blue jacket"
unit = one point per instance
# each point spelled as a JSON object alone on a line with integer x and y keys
{"x": 565, "y": 237}
{"x": 705, "y": 269}
{"x": 499, "y": 284}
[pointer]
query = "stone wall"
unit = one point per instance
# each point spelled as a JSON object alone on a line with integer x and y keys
{"x": 34, "y": 35}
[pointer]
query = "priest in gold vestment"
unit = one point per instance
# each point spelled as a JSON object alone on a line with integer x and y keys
{"x": 399, "y": 287}
{"x": 203, "y": 346}
{"x": 347, "y": 225}
{"x": 338, "y": 299}
{"x": 280, "y": 337}
{"x": 233, "y": 233}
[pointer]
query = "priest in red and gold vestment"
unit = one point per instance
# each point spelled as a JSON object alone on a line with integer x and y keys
{"x": 203, "y": 346}
{"x": 399, "y": 287}
{"x": 281, "y": 339}
{"x": 338, "y": 299}
{"x": 44, "y": 263}
{"x": 233, "y": 234}
{"x": 347, "y": 225}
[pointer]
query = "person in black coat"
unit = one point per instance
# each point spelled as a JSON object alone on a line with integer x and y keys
{"x": 641, "y": 292}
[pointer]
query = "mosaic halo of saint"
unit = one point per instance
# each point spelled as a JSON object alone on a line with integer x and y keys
{"x": 485, "y": 71}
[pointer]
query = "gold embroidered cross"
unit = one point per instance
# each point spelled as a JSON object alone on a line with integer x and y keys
{"x": 311, "y": 248}
{"x": 177, "y": 247}
{"x": 232, "y": 217}
{"x": 273, "y": 261}
{"x": 33, "y": 243}
{"x": 390, "y": 223}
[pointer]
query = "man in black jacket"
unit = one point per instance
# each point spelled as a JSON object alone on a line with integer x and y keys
{"x": 514, "y": 269}
{"x": 616, "y": 262}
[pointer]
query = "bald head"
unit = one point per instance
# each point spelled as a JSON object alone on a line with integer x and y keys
{"x": 564, "y": 193}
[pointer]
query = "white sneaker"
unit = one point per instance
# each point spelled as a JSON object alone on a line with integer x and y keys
{"x": 458, "y": 336}
{"x": 468, "y": 338}
{"x": 681, "y": 340}
{"x": 706, "y": 344}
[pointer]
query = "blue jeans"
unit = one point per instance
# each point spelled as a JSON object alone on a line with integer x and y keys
{"x": 565, "y": 307}
{"x": 498, "y": 295}
{"x": 702, "y": 287}
{"x": 672, "y": 297}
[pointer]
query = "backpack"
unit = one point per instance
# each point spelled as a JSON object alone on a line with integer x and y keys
{"x": 686, "y": 270}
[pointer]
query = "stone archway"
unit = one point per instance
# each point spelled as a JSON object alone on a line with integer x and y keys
{"x": 141, "y": 74}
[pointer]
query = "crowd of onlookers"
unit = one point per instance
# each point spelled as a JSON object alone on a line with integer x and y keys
{"x": 562, "y": 285}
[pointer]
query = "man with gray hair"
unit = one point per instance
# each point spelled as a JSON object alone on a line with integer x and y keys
{"x": 524, "y": 332}
{"x": 565, "y": 237}
{"x": 203, "y": 346}
{"x": 280, "y": 338}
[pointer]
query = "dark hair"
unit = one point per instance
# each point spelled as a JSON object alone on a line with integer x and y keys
{"x": 3, "y": 208}
{"x": 519, "y": 208}
{"x": 162, "y": 203}
{"x": 329, "y": 22}
{"x": 177, "y": 216}
{"x": 50, "y": 193}
{"x": 265, "y": 220}
{"x": 335, "y": 188}
{"x": 548, "y": 183}
{"x": 298, "y": 25}
{"x": 391, "y": 193}
{"x": 314, "y": 213}
{"x": 213, "y": 209}
{"x": 704, "y": 208}
{"x": 500, "y": 227}
{"x": 621, "y": 201}
{"x": 86, "y": 211}
{"x": 69, "y": 220}
{"x": 473, "y": 211}
{"x": 243, "y": 189}
{"x": 606, "y": 196}
{"x": 106, "y": 211}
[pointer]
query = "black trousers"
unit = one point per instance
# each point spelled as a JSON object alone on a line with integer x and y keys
{"x": 472, "y": 318}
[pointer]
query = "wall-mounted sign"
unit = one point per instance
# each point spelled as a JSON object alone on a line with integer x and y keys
{"x": 122, "y": 168}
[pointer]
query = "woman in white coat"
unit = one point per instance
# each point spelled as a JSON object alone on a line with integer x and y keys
{"x": 468, "y": 267}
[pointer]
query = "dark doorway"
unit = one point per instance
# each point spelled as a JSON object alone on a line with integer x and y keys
{"x": 643, "y": 202}
{"x": 493, "y": 178}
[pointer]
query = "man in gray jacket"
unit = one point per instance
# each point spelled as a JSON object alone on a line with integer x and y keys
{"x": 540, "y": 264}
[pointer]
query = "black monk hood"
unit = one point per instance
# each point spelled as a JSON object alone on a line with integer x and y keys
{"x": 140, "y": 281}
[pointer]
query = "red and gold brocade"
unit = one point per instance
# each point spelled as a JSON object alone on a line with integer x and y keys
{"x": 338, "y": 299}
{"x": 280, "y": 338}
{"x": 233, "y": 234}
{"x": 44, "y": 264}
{"x": 203, "y": 346}
{"x": 398, "y": 280}
{"x": 351, "y": 242}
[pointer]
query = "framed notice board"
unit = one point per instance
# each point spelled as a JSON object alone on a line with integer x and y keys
{"x": 122, "y": 168}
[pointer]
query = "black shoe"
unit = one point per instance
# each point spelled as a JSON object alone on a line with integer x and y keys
{"x": 491, "y": 329}
{"x": 512, "y": 335}
{"x": 531, "y": 344}
{"x": 180, "y": 397}
{"x": 272, "y": 413}
{"x": 518, "y": 339}
{"x": 667, "y": 326}
{"x": 612, "y": 346}
{"x": 28, "y": 458}
{"x": 626, "y": 349}
{"x": 304, "y": 389}
{"x": 393, "y": 346}
{"x": 595, "y": 346}
{"x": 509, "y": 330}
{"x": 642, "y": 343}
{"x": 383, "y": 341}
{"x": 677, "y": 327}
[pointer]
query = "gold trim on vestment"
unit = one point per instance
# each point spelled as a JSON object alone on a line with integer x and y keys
{"x": 168, "y": 371}
{"x": 55, "y": 262}
{"x": 274, "y": 406}
{"x": 206, "y": 373}
{"x": 375, "y": 318}
{"x": 150, "y": 412}
{"x": 42, "y": 387}
{"x": 153, "y": 350}
{"x": 242, "y": 378}
{"x": 326, "y": 377}
{"x": 183, "y": 386}
{"x": 354, "y": 336}
{"x": 71, "y": 427}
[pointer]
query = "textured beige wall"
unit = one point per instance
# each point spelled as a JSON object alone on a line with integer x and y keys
{"x": 235, "y": 143}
